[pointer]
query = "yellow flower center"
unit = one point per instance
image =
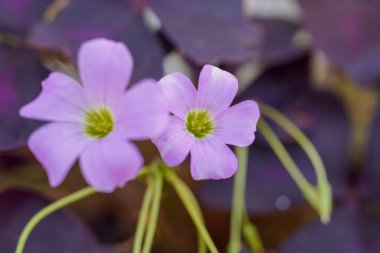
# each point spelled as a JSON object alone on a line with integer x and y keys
{"x": 200, "y": 123}
{"x": 99, "y": 122}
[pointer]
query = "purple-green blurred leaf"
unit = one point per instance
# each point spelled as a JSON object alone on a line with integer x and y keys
{"x": 18, "y": 16}
{"x": 351, "y": 230}
{"x": 87, "y": 19}
{"x": 278, "y": 44}
{"x": 59, "y": 232}
{"x": 371, "y": 171}
{"x": 21, "y": 74}
{"x": 208, "y": 31}
{"x": 278, "y": 86}
{"x": 348, "y": 32}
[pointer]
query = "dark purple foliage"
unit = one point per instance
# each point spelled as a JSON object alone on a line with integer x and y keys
{"x": 279, "y": 86}
{"x": 371, "y": 171}
{"x": 348, "y": 32}
{"x": 18, "y": 16}
{"x": 87, "y": 19}
{"x": 351, "y": 230}
{"x": 208, "y": 31}
{"x": 21, "y": 74}
{"x": 59, "y": 232}
{"x": 278, "y": 44}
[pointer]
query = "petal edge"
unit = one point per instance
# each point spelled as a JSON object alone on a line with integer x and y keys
{"x": 216, "y": 89}
{"x": 211, "y": 159}
{"x": 57, "y": 146}
{"x": 110, "y": 163}
{"x": 237, "y": 125}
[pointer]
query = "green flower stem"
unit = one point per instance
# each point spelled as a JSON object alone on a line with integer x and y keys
{"x": 281, "y": 152}
{"x": 191, "y": 204}
{"x": 323, "y": 186}
{"x": 67, "y": 200}
{"x": 251, "y": 235}
{"x": 154, "y": 212}
{"x": 143, "y": 217}
{"x": 238, "y": 202}
{"x": 202, "y": 248}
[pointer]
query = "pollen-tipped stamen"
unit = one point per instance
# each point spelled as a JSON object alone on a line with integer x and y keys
{"x": 98, "y": 123}
{"x": 200, "y": 123}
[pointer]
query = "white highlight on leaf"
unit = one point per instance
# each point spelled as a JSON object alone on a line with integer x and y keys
{"x": 288, "y": 10}
{"x": 174, "y": 62}
{"x": 151, "y": 20}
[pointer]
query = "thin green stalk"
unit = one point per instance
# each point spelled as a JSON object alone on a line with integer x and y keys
{"x": 143, "y": 217}
{"x": 202, "y": 248}
{"x": 251, "y": 235}
{"x": 191, "y": 205}
{"x": 154, "y": 212}
{"x": 67, "y": 200}
{"x": 324, "y": 190}
{"x": 299, "y": 136}
{"x": 307, "y": 189}
{"x": 238, "y": 202}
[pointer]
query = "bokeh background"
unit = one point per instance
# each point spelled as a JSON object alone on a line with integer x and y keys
{"x": 316, "y": 61}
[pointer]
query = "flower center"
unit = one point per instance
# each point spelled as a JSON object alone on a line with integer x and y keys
{"x": 98, "y": 122}
{"x": 200, "y": 123}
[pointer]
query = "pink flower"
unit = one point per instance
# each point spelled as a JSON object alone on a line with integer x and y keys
{"x": 203, "y": 123}
{"x": 95, "y": 122}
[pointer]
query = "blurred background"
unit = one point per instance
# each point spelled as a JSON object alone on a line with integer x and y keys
{"x": 318, "y": 62}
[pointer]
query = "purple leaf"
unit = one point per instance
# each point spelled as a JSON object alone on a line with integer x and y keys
{"x": 351, "y": 230}
{"x": 348, "y": 32}
{"x": 18, "y": 16}
{"x": 59, "y": 232}
{"x": 371, "y": 171}
{"x": 278, "y": 86}
{"x": 278, "y": 44}
{"x": 208, "y": 31}
{"x": 21, "y": 74}
{"x": 87, "y": 19}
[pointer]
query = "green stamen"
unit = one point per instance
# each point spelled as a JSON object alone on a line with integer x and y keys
{"x": 98, "y": 122}
{"x": 200, "y": 123}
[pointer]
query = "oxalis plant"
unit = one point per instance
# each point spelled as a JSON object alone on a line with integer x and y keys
{"x": 95, "y": 120}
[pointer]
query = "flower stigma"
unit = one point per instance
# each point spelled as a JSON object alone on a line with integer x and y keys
{"x": 99, "y": 122}
{"x": 200, "y": 123}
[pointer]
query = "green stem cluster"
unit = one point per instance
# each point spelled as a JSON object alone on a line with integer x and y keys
{"x": 155, "y": 208}
{"x": 150, "y": 208}
{"x": 143, "y": 217}
{"x": 319, "y": 196}
{"x": 189, "y": 201}
{"x": 147, "y": 222}
{"x": 240, "y": 226}
{"x": 192, "y": 206}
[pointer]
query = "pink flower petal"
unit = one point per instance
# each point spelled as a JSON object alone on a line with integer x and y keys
{"x": 175, "y": 143}
{"x": 105, "y": 69}
{"x": 143, "y": 112}
{"x": 179, "y": 92}
{"x": 109, "y": 163}
{"x": 61, "y": 99}
{"x": 216, "y": 89}
{"x": 211, "y": 159}
{"x": 237, "y": 125}
{"x": 57, "y": 146}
